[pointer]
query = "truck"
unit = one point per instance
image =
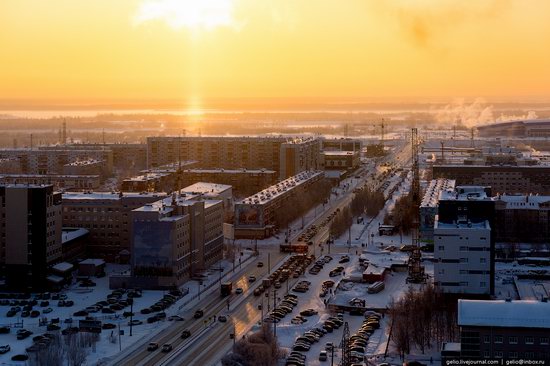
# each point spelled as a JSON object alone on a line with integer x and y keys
{"x": 226, "y": 288}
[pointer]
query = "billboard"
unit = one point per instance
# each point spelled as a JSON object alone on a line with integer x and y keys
{"x": 249, "y": 215}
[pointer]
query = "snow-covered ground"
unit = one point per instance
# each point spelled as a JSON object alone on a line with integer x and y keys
{"x": 84, "y": 297}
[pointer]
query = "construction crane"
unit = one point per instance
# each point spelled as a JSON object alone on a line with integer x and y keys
{"x": 345, "y": 346}
{"x": 416, "y": 269}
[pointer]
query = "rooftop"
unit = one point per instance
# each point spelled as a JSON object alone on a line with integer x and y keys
{"x": 206, "y": 188}
{"x": 524, "y": 201}
{"x": 231, "y": 171}
{"x": 464, "y": 193}
{"x": 280, "y": 188}
{"x": 340, "y": 153}
{"x": 109, "y": 195}
{"x": 68, "y": 234}
{"x": 431, "y": 197}
{"x": 502, "y": 313}
{"x": 460, "y": 224}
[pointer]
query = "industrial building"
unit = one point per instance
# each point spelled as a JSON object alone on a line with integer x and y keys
{"x": 520, "y": 128}
{"x": 340, "y": 160}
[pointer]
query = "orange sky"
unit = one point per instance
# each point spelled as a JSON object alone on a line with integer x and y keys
{"x": 193, "y": 50}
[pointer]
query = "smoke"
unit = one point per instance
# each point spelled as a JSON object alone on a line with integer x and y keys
{"x": 469, "y": 115}
{"x": 512, "y": 117}
{"x": 476, "y": 113}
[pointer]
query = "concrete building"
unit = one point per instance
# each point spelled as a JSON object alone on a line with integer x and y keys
{"x": 297, "y": 154}
{"x": 243, "y": 181}
{"x": 340, "y": 160}
{"x": 173, "y": 239}
{"x": 255, "y": 215}
{"x": 522, "y": 219}
{"x": 502, "y": 179}
{"x": 30, "y": 235}
{"x": 521, "y": 128}
{"x": 507, "y": 330}
{"x": 429, "y": 204}
{"x": 64, "y": 182}
{"x": 86, "y": 167}
{"x": 106, "y": 215}
{"x": 209, "y": 191}
{"x": 51, "y": 160}
{"x": 463, "y": 258}
{"x": 341, "y": 144}
{"x": 10, "y": 166}
{"x": 159, "y": 179}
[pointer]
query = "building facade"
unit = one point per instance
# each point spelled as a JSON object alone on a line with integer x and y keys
{"x": 501, "y": 329}
{"x": 298, "y": 154}
{"x": 340, "y": 160}
{"x": 255, "y": 216}
{"x": 501, "y": 179}
{"x": 65, "y": 182}
{"x": 30, "y": 235}
{"x": 106, "y": 215}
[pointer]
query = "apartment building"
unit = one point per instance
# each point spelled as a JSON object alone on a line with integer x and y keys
{"x": 86, "y": 167}
{"x": 30, "y": 235}
{"x": 340, "y": 160}
{"x": 255, "y": 215}
{"x": 106, "y": 215}
{"x": 341, "y": 144}
{"x": 59, "y": 181}
{"x": 287, "y": 156}
{"x": 504, "y": 329}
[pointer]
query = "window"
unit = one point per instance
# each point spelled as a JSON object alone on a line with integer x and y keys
{"x": 463, "y": 249}
{"x": 498, "y": 339}
{"x": 529, "y": 340}
{"x": 464, "y": 284}
{"x": 513, "y": 340}
{"x": 486, "y": 354}
{"x": 463, "y": 271}
{"x": 498, "y": 354}
{"x": 441, "y": 247}
{"x": 486, "y": 339}
{"x": 483, "y": 284}
{"x": 463, "y": 260}
{"x": 482, "y": 260}
{"x": 543, "y": 340}
{"x": 529, "y": 355}
{"x": 512, "y": 355}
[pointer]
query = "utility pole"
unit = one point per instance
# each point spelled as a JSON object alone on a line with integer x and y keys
{"x": 274, "y": 323}
{"x": 131, "y": 316}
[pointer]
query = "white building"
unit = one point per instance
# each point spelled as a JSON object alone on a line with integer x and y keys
{"x": 462, "y": 251}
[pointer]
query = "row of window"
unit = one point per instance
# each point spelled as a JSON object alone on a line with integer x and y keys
{"x": 515, "y": 340}
{"x": 514, "y": 355}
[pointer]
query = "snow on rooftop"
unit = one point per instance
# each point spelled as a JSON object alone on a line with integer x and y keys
{"x": 108, "y": 195}
{"x": 68, "y": 234}
{"x": 431, "y": 197}
{"x": 63, "y": 267}
{"x": 204, "y": 187}
{"x": 502, "y": 313}
{"x": 464, "y": 193}
{"x": 95, "y": 262}
{"x": 524, "y": 201}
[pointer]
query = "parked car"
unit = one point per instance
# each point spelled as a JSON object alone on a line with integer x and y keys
{"x": 238, "y": 290}
{"x": 176, "y": 318}
{"x": 222, "y": 318}
{"x": 198, "y": 314}
{"x": 185, "y": 334}
{"x": 5, "y": 349}
{"x": 167, "y": 347}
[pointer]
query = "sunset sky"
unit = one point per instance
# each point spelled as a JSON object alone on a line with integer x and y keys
{"x": 197, "y": 49}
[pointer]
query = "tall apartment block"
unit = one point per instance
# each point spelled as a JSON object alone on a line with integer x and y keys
{"x": 288, "y": 156}
{"x": 30, "y": 235}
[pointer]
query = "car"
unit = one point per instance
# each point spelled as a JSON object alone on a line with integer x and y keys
{"x": 251, "y": 278}
{"x": 198, "y": 314}
{"x": 23, "y": 333}
{"x": 25, "y": 314}
{"x": 135, "y": 322}
{"x": 176, "y": 318}
{"x": 166, "y": 347}
{"x": 20, "y": 358}
{"x": 323, "y": 356}
{"x": 301, "y": 347}
{"x": 222, "y": 318}
{"x": 70, "y": 330}
{"x": 44, "y": 304}
{"x": 308, "y": 312}
{"x": 153, "y": 346}
{"x": 80, "y": 313}
{"x": 35, "y": 314}
{"x": 185, "y": 334}
{"x": 238, "y": 290}
{"x": 47, "y": 310}
{"x": 145, "y": 311}
{"x": 4, "y": 349}
{"x": 260, "y": 264}
{"x": 108, "y": 326}
{"x": 152, "y": 319}
{"x": 5, "y": 330}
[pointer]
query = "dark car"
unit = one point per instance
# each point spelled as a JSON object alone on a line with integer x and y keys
{"x": 20, "y": 358}
{"x": 185, "y": 334}
{"x": 108, "y": 326}
{"x": 5, "y": 330}
{"x": 198, "y": 314}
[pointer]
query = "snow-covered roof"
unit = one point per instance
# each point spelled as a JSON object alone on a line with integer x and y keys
{"x": 68, "y": 234}
{"x": 502, "y": 313}
{"x": 95, "y": 262}
{"x": 523, "y": 201}
{"x": 63, "y": 267}
{"x": 206, "y": 188}
{"x": 431, "y": 197}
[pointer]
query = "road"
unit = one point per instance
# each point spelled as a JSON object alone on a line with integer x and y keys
{"x": 210, "y": 340}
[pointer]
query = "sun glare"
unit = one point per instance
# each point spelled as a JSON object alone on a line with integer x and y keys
{"x": 192, "y": 14}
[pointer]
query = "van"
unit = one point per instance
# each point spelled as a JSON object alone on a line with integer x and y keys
{"x": 376, "y": 287}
